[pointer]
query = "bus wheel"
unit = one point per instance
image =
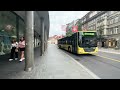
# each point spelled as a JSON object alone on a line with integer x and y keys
{"x": 69, "y": 49}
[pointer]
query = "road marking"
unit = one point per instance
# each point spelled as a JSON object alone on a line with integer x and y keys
{"x": 107, "y": 58}
{"x": 109, "y": 52}
{"x": 87, "y": 70}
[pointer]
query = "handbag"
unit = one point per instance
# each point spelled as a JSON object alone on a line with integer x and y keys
{"x": 16, "y": 50}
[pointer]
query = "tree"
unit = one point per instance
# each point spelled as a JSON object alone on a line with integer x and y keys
{"x": 79, "y": 26}
{"x": 69, "y": 31}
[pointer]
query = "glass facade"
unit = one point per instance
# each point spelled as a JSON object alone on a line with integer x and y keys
{"x": 11, "y": 26}
{"x": 21, "y": 28}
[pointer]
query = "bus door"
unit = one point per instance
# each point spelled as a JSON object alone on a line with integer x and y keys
{"x": 74, "y": 43}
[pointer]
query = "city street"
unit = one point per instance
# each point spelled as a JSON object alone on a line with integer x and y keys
{"x": 32, "y": 43}
{"x": 104, "y": 65}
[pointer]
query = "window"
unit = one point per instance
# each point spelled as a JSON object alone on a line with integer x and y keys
{"x": 111, "y": 31}
{"x": 116, "y": 19}
{"x": 107, "y": 33}
{"x": 8, "y": 31}
{"x": 116, "y": 30}
{"x": 111, "y": 21}
{"x": 108, "y": 22}
{"x": 21, "y": 28}
{"x": 111, "y": 12}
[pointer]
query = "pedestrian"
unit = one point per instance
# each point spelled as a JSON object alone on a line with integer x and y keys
{"x": 22, "y": 48}
{"x": 14, "y": 50}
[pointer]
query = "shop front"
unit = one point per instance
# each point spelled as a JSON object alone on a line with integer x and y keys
{"x": 11, "y": 26}
{"x": 111, "y": 43}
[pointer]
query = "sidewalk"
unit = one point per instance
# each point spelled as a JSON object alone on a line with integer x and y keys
{"x": 55, "y": 64}
{"x": 109, "y": 50}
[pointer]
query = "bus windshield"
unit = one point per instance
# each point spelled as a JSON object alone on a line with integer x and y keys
{"x": 88, "y": 40}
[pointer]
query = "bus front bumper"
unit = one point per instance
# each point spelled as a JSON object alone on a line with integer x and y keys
{"x": 81, "y": 51}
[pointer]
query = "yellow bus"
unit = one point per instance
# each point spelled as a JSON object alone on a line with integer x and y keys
{"x": 82, "y": 42}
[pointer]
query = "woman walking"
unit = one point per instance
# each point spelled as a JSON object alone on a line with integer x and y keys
{"x": 22, "y": 48}
{"x": 14, "y": 50}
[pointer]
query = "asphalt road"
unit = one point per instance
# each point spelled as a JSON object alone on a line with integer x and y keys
{"x": 104, "y": 65}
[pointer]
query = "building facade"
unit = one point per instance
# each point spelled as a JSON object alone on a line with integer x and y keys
{"x": 33, "y": 25}
{"x": 54, "y": 39}
{"x": 12, "y": 25}
{"x": 106, "y": 23}
{"x": 113, "y": 28}
{"x": 69, "y": 27}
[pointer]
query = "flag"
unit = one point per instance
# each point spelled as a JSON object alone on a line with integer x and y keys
{"x": 75, "y": 29}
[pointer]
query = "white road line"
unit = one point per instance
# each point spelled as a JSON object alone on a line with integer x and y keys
{"x": 108, "y": 52}
{"x": 90, "y": 72}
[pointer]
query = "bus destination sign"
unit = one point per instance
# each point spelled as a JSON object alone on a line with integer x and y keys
{"x": 86, "y": 33}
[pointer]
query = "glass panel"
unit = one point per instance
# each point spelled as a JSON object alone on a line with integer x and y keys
{"x": 7, "y": 31}
{"x": 21, "y": 28}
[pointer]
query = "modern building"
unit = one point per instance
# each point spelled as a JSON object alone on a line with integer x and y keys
{"x": 33, "y": 25}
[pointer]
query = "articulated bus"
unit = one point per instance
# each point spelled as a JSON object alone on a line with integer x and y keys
{"x": 82, "y": 42}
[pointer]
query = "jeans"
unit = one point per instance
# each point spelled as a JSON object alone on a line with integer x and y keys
{"x": 13, "y": 53}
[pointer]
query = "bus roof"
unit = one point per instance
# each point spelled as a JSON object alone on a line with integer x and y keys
{"x": 76, "y": 32}
{"x": 87, "y": 31}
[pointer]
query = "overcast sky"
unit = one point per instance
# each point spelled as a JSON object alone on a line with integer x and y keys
{"x": 59, "y": 18}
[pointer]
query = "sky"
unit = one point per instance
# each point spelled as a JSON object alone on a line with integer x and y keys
{"x": 59, "y": 18}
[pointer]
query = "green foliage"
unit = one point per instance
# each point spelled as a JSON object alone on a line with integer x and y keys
{"x": 69, "y": 32}
{"x": 79, "y": 26}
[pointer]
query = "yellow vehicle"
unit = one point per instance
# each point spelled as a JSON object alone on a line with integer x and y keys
{"x": 82, "y": 42}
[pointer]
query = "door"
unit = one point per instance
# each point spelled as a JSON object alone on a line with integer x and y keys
{"x": 74, "y": 43}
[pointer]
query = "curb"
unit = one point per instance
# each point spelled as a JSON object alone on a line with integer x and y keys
{"x": 87, "y": 70}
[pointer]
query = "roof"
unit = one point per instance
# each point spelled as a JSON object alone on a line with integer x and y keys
{"x": 37, "y": 16}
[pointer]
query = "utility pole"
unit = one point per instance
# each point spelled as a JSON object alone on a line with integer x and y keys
{"x": 29, "y": 41}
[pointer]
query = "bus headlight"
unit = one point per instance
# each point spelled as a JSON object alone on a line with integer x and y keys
{"x": 96, "y": 49}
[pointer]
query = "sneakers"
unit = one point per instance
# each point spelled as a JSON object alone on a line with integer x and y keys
{"x": 10, "y": 59}
{"x": 21, "y": 59}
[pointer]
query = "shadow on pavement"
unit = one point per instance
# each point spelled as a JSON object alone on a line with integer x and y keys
{"x": 10, "y": 69}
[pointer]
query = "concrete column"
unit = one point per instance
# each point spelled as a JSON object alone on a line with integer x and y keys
{"x": 42, "y": 37}
{"x": 45, "y": 39}
{"x": 29, "y": 39}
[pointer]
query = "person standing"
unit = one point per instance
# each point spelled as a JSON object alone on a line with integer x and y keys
{"x": 22, "y": 48}
{"x": 14, "y": 50}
